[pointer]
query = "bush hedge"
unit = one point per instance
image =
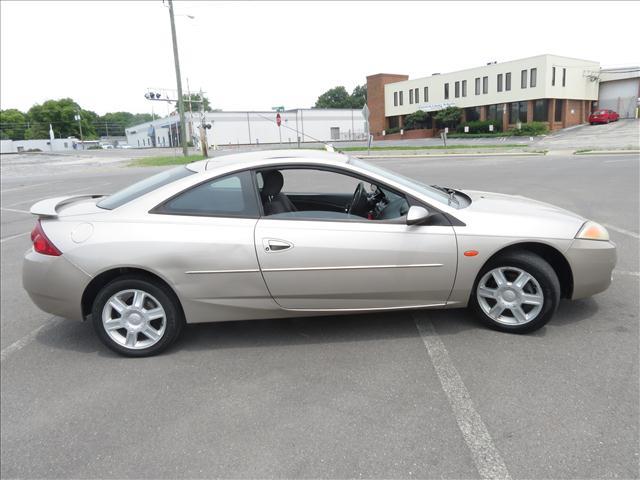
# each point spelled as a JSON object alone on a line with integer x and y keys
{"x": 531, "y": 129}
{"x": 480, "y": 126}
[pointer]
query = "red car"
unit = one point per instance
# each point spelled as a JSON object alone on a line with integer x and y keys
{"x": 603, "y": 116}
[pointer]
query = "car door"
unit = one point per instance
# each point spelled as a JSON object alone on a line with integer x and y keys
{"x": 334, "y": 263}
{"x": 207, "y": 232}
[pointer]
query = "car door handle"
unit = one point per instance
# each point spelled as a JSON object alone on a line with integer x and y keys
{"x": 273, "y": 245}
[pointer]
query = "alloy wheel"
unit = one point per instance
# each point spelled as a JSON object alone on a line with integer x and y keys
{"x": 510, "y": 296}
{"x": 134, "y": 319}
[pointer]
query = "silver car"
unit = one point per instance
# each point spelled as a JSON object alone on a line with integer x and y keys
{"x": 294, "y": 233}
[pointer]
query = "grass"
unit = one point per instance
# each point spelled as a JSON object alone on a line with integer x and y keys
{"x": 428, "y": 147}
{"x": 160, "y": 161}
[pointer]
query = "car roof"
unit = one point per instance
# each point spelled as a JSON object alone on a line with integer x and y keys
{"x": 267, "y": 157}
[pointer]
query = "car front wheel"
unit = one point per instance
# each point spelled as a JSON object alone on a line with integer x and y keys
{"x": 517, "y": 292}
{"x": 136, "y": 317}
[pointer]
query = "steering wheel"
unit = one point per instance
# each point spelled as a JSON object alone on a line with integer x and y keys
{"x": 359, "y": 202}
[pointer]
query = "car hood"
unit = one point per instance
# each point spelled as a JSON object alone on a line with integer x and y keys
{"x": 513, "y": 215}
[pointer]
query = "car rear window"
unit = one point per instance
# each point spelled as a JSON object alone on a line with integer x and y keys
{"x": 142, "y": 187}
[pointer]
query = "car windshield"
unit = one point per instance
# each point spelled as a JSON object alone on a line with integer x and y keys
{"x": 142, "y": 187}
{"x": 435, "y": 193}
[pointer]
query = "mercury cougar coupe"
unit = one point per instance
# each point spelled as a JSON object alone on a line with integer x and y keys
{"x": 292, "y": 233}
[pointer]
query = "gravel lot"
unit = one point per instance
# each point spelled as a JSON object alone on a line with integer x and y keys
{"x": 384, "y": 395}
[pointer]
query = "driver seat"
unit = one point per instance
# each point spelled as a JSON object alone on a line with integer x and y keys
{"x": 273, "y": 200}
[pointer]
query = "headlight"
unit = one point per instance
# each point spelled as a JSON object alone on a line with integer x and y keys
{"x": 593, "y": 231}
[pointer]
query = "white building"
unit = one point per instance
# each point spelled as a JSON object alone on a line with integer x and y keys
{"x": 620, "y": 90}
{"x": 545, "y": 88}
{"x": 246, "y": 128}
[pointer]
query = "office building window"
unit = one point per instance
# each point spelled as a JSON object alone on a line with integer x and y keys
{"x": 416, "y": 96}
{"x": 395, "y": 99}
{"x": 564, "y": 77}
{"x": 464, "y": 88}
{"x": 518, "y": 112}
{"x": 426, "y": 94}
{"x": 411, "y": 95}
{"x": 533, "y": 77}
{"x": 457, "y": 89}
{"x": 400, "y": 97}
{"x": 492, "y": 112}
{"x": 478, "y": 86}
{"x": 553, "y": 76}
{"x": 559, "y": 106}
{"x": 499, "y": 82}
{"x": 541, "y": 110}
{"x": 485, "y": 84}
{"x": 472, "y": 114}
{"x": 507, "y": 81}
{"x": 523, "y": 79}
{"x": 446, "y": 91}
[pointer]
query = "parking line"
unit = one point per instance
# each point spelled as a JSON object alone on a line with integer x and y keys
{"x": 6, "y": 239}
{"x": 485, "y": 455}
{"x": 15, "y": 210}
{"x": 28, "y": 338}
{"x": 626, "y": 272}
{"x": 27, "y": 186}
{"x": 622, "y": 230}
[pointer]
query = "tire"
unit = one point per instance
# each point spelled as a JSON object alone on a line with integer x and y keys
{"x": 524, "y": 315}
{"x": 151, "y": 318}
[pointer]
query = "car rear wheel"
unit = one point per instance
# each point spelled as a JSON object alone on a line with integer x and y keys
{"x": 517, "y": 292}
{"x": 137, "y": 317}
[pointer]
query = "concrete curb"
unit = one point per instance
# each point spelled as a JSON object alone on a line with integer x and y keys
{"x": 608, "y": 152}
{"x": 429, "y": 155}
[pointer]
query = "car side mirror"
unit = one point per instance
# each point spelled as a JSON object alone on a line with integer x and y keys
{"x": 416, "y": 215}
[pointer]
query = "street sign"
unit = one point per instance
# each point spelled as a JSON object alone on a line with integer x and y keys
{"x": 278, "y": 119}
{"x": 365, "y": 112}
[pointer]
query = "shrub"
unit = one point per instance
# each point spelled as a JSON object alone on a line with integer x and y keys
{"x": 449, "y": 117}
{"x": 391, "y": 130}
{"x": 415, "y": 120}
{"x": 480, "y": 126}
{"x": 531, "y": 129}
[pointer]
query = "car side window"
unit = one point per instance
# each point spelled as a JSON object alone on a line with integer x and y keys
{"x": 318, "y": 194}
{"x": 228, "y": 196}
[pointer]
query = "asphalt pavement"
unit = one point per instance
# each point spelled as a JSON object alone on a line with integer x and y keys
{"x": 424, "y": 394}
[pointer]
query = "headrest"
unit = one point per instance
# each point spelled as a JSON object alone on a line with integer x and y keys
{"x": 273, "y": 181}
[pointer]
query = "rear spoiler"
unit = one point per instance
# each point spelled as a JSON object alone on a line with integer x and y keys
{"x": 50, "y": 206}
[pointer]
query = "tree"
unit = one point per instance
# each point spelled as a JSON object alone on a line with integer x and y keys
{"x": 60, "y": 114}
{"x": 115, "y": 123}
{"x": 449, "y": 117}
{"x": 195, "y": 102}
{"x": 359, "y": 96}
{"x": 416, "y": 119}
{"x": 337, "y": 97}
{"x": 13, "y": 124}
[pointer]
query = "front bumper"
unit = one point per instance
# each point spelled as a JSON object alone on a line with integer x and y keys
{"x": 592, "y": 264}
{"x": 54, "y": 284}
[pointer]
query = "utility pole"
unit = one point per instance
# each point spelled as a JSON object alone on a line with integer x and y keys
{"x": 183, "y": 132}
{"x": 80, "y": 126}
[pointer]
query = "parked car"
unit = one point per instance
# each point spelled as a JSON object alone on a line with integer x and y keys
{"x": 107, "y": 146}
{"x": 296, "y": 233}
{"x": 124, "y": 146}
{"x": 603, "y": 116}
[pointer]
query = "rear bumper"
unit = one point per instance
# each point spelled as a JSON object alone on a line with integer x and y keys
{"x": 54, "y": 284}
{"x": 592, "y": 264}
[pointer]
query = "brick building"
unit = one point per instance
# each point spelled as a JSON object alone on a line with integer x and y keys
{"x": 546, "y": 88}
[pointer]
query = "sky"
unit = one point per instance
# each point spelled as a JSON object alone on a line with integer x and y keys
{"x": 258, "y": 55}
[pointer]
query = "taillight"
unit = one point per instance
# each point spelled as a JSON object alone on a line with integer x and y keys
{"x": 41, "y": 242}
